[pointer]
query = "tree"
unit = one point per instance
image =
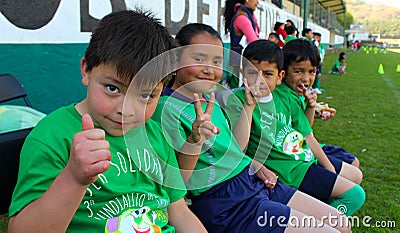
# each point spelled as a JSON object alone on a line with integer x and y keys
{"x": 349, "y": 20}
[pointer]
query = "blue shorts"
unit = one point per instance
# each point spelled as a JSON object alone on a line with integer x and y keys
{"x": 338, "y": 153}
{"x": 319, "y": 181}
{"x": 243, "y": 204}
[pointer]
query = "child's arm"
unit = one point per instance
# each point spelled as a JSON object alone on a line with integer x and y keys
{"x": 89, "y": 156}
{"x": 183, "y": 219}
{"x": 319, "y": 153}
{"x": 242, "y": 128}
{"x": 202, "y": 129}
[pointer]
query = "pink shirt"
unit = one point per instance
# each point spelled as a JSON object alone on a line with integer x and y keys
{"x": 243, "y": 24}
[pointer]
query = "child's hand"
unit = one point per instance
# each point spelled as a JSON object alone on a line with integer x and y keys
{"x": 267, "y": 176}
{"x": 202, "y": 127}
{"x": 89, "y": 154}
{"x": 326, "y": 115}
{"x": 252, "y": 93}
{"x": 310, "y": 98}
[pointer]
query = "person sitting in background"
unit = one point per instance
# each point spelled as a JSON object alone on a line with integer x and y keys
{"x": 291, "y": 31}
{"x": 290, "y": 23}
{"x": 339, "y": 67}
{"x": 307, "y": 34}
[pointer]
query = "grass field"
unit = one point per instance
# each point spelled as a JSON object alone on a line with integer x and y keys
{"x": 367, "y": 124}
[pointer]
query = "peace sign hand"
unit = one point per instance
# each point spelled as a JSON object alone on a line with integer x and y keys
{"x": 202, "y": 127}
{"x": 252, "y": 92}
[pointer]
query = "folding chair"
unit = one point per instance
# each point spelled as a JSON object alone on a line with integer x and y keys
{"x": 10, "y": 142}
{"x": 11, "y": 88}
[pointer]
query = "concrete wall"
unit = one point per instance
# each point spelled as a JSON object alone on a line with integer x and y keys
{"x": 42, "y": 41}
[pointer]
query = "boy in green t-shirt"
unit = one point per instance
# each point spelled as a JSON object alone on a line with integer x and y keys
{"x": 102, "y": 165}
{"x": 294, "y": 155}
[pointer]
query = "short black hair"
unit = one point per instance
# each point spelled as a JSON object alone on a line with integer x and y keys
{"x": 317, "y": 34}
{"x": 273, "y": 34}
{"x": 127, "y": 39}
{"x": 264, "y": 50}
{"x": 305, "y": 31}
{"x": 299, "y": 50}
{"x": 290, "y": 29}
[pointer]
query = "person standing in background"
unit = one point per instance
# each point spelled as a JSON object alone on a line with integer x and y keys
{"x": 317, "y": 83}
{"x": 240, "y": 22}
{"x": 279, "y": 29}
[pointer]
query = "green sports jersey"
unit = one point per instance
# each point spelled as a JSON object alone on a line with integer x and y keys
{"x": 289, "y": 38}
{"x": 290, "y": 156}
{"x": 133, "y": 194}
{"x": 221, "y": 157}
{"x": 336, "y": 66}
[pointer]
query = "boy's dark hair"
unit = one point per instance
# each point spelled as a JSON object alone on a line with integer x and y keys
{"x": 187, "y": 32}
{"x": 127, "y": 40}
{"x": 274, "y": 34}
{"x": 299, "y": 50}
{"x": 317, "y": 34}
{"x": 290, "y": 29}
{"x": 230, "y": 11}
{"x": 264, "y": 50}
{"x": 305, "y": 31}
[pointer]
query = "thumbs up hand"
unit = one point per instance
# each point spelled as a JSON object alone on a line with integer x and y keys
{"x": 89, "y": 153}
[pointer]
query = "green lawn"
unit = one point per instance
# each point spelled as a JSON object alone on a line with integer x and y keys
{"x": 367, "y": 124}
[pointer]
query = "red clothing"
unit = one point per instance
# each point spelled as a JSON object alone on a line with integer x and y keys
{"x": 282, "y": 36}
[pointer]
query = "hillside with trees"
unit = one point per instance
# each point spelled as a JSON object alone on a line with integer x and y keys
{"x": 378, "y": 19}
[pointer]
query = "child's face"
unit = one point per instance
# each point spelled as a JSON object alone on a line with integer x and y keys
{"x": 273, "y": 38}
{"x": 200, "y": 63}
{"x": 300, "y": 76}
{"x": 252, "y": 4}
{"x": 270, "y": 74}
{"x": 105, "y": 100}
{"x": 310, "y": 35}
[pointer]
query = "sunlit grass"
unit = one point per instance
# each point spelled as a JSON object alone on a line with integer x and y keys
{"x": 368, "y": 124}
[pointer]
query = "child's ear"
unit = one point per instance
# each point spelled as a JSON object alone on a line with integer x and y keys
{"x": 84, "y": 73}
{"x": 281, "y": 75}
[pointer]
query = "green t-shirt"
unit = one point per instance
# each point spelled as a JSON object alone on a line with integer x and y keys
{"x": 221, "y": 157}
{"x": 289, "y": 38}
{"x": 336, "y": 66}
{"x": 290, "y": 156}
{"x": 133, "y": 193}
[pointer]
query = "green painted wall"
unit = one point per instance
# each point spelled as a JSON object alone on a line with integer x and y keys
{"x": 50, "y": 73}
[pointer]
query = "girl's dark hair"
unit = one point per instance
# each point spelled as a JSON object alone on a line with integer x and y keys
{"x": 229, "y": 12}
{"x": 299, "y": 50}
{"x": 264, "y": 50}
{"x": 127, "y": 40}
{"x": 187, "y": 32}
